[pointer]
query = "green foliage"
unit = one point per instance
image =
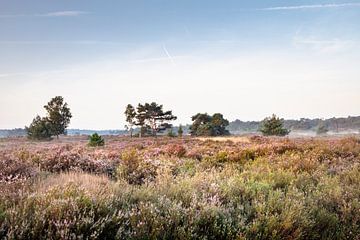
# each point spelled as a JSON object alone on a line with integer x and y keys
{"x": 58, "y": 115}
{"x": 206, "y": 125}
{"x": 130, "y": 115}
{"x": 153, "y": 117}
{"x": 96, "y": 140}
{"x": 39, "y": 129}
{"x": 273, "y": 126}
{"x": 180, "y": 131}
{"x": 150, "y": 117}
{"x": 56, "y": 122}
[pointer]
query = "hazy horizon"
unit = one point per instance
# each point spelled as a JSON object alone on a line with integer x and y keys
{"x": 245, "y": 59}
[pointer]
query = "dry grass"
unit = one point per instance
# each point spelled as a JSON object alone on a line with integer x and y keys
{"x": 188, "y": 188}
{"x": 234, "y": 139}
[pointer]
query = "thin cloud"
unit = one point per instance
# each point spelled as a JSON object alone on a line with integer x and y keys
{"x": 49, "y": 14}
{"x": 325, "y": 46}
{"x": 314, "y": 6}
{"x": 84, "y": 42}
{"x": 63, "y": 14}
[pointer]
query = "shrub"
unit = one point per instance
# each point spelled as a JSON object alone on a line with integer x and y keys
{"x": 134, "y": 169}
{"x": 96, "y": 140}
{"x": 15, "y": 170}
{"x": 176, "y": 150}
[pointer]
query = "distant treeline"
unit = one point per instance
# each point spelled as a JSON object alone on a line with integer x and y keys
{"x": 17, "y": 132}
{"x": 304, "y": 124}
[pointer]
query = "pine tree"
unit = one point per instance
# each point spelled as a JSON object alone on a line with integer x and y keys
{"x": 96, "y": 140}
{"x": 58, "y": 115}
{"x": 152, "y": 117}
{"x": 273, "y": 126}
{"x": 130, "y": 114}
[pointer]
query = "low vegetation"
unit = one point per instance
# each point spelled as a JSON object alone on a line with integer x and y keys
{"x": 96, "y": 140}
{"x": 180, "y": 188}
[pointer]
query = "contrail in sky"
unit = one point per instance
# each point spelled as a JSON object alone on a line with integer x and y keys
{"x": 168, "y": 55}
{"x": 298, "y": 7}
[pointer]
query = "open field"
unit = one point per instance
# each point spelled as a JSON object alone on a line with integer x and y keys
{"x": 170, "y": 188}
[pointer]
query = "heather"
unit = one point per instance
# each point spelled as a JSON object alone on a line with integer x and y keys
{"x": 181, "y": 188}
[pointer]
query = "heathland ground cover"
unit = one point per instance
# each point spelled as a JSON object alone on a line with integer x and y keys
{"x": 180, "y": 188}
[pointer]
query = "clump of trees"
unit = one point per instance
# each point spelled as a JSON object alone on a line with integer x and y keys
{"x": 150, "y": 117}
{"x": 96, "y": 140}
{"x": 39, "y": 129}
{"x": 54, "y": 124}
{"x": 206, "y": 125}
{"x": 273, "y": 126}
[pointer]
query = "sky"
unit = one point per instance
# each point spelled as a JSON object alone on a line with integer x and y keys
{"x": 246, "y": 59}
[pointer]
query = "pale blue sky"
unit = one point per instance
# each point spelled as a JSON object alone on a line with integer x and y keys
{"x": 246, "y": 59}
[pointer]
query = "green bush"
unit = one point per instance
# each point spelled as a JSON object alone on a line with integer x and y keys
{"x": 96, "y": 140}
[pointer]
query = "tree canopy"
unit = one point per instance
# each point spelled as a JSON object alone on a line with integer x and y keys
{"x": 130, "y": 115}
{"x": 150, "y": 117}
{"x": 206, "y": 125}
{"x": 39, "y": 129}
{"x": 55, "y": 123}
{"x": 58, "y": 115}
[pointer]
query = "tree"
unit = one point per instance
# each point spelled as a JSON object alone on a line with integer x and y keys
{"x": 58, "y": 115}
{"x": 130, "y": 114}
{"x": 273, "y": 126}
{"x": 141, "y": 116}
{"x": 180, "y": 131}
{"x": 152, "y": 117}
{"x": 206, "y": 125}
{"x": 96, "y": 140}
{"x": 39, "y": 129}
{"x": 219, "y": 125}
{"x": 171, "y": 133}
{"x": 321, "y": 129}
